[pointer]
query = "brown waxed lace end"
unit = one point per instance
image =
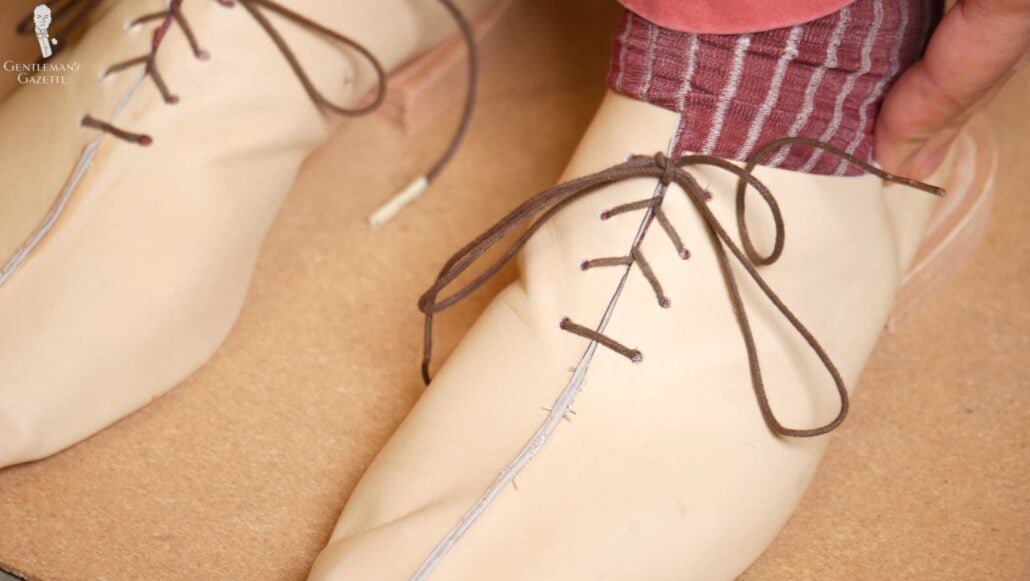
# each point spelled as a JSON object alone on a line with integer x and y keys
{"x": 137, "y": 138}
{"x": 633, "y": 355}
{"x": 770, "y": 148}
{"x": 406, "y": 196}
{"x": 602, "y": 262}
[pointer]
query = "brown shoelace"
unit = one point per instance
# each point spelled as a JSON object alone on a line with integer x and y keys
{"x": 77, "y": 11}
{"x": 547, "y": 204}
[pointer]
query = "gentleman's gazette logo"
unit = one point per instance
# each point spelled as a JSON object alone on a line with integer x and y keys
{"x": 41, "y": 72}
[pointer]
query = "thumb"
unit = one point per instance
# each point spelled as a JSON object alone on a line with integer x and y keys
{"x": 977, "y": 46}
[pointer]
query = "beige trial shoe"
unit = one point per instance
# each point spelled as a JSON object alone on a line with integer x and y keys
{"x": 600, "y": 421}
{"x": 137, "y": 193}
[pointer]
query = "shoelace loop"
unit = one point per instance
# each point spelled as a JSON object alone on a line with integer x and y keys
{"x": 542, "y": 207}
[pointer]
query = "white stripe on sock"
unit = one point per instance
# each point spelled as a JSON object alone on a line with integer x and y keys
{"x": 728, "y": 92}
{"x": 816, "y": 79}
{"x": 622, "y": 51}
{"x": 688, "y": 74}
{"x": 895, "y": 65}
{"x": 849, "y": 84}
{"x": 652, "y": 41}
{"x": 790, "y": 52}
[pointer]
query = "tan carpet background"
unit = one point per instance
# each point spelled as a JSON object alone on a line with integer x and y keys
{"x": 240, "y": 472}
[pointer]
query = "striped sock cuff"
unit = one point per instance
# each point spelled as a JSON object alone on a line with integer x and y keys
{"x": 823, "y": 79}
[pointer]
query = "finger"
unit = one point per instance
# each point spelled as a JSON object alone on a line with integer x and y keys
{"x": 976, "y": 48}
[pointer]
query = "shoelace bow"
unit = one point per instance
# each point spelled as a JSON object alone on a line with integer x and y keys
{"x": 547, "y": 204}
{"x": 78, "y": 10}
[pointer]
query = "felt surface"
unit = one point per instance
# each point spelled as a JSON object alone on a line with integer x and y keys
{"x": 241, "y": 472}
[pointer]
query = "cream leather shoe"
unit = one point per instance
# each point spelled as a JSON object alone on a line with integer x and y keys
{"x": 138, "y": 193}
{"x": 599, "y": 421}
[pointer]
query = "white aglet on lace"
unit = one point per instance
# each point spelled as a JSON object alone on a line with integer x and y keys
{"x": 394, "y": 205}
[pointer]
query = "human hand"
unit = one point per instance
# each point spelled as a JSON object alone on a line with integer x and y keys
{"x": 978, "y": 45}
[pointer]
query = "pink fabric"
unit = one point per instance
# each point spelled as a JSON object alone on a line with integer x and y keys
{"x": 731, "y": 16}
{"x": 823, "y": 79}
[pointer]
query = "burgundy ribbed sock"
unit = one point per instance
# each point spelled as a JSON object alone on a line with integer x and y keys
{"x": 823, "y": 79}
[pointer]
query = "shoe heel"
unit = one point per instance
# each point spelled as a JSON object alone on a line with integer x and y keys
{"x": 958, "y": 224}
{"x": 420, "y": 89}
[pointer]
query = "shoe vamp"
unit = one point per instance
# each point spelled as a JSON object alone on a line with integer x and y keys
{"x": 669, "y": 456}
